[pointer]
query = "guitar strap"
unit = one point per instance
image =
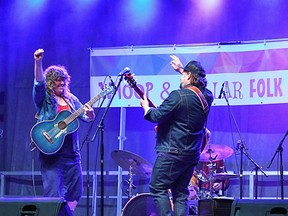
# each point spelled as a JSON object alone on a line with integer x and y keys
{"x": 201, "y": 97}
{"x": 205, "y": 107}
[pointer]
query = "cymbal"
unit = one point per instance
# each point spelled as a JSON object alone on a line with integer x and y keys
{"x": 216, "y": 152}
{"x": 125, "y": 159}
{"x": 225, "y": 175}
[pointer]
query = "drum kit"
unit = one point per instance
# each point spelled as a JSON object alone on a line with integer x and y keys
{"x": 133, "y": 163}
{"x": 136, "y": 165}
{"x": 141, "y": 204}
{"x": 212, "y": 154}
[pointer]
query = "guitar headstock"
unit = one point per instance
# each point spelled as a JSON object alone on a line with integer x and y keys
{"x": 130, "y": 80}
{"x": 107, "y": 90}
{"x": 133, "y": 84}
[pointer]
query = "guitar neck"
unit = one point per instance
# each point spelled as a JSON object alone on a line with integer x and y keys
{"x": 140, "y": 93}
{"x": 78, "y": 112}
{"x": 131, "y": 81}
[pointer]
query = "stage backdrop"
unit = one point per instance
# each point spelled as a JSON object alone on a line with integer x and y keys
{"x": 254, "y": 77}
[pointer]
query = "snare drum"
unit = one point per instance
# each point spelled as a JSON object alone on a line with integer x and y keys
{"x": 140, "y": 205}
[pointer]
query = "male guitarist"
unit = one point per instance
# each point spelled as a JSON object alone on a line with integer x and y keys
{"x": 181, "y": 122}
{"x": 61, "y": 172}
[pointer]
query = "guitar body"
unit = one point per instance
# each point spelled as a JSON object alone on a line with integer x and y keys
{"x": 49, "y": 135}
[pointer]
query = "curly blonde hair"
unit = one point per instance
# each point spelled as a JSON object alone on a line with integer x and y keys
{"x": 51, "y": 74}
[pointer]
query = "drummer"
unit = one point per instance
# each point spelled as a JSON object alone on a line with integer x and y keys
{"x": 200, "y": 179}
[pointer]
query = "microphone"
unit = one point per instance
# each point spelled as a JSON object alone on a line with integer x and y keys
{"x": 111, "y": 81}
{"x": 124, "y": 71}
{"x": 221, "y": 92}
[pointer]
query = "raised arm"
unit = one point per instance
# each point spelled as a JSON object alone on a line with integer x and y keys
{"x": 38, "y": 68}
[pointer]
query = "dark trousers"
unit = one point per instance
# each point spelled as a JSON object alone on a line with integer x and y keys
{"x": 171, "y": 172}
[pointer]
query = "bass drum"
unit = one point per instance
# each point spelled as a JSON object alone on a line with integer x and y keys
{"x": 140, "y": 205}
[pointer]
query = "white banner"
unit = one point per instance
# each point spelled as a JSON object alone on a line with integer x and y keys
{"x": 253, "y": 88}
{"x": 253, "y": 73}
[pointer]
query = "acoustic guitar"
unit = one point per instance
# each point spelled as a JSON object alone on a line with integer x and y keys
{"x": 48, "y": 135}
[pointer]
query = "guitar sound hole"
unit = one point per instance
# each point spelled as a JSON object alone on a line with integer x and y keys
{"x": 62, "y": 125}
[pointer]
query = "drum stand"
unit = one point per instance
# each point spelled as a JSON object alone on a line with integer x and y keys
{"x": 131, "y": 186}
{"x": 211, "y": 173}
{"x": 202, "y": 179}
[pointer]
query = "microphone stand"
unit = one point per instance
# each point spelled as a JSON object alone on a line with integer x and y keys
{"x": 280, "y": 151}
{"x": 101, "y": 127}
{"x": 88, "y": 156}
{"x": 243, "y": 150}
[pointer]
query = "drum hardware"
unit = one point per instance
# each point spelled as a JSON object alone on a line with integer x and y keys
{"x": 202, "y": 176}
{"x": 130, "y": 183}
{"x": 205, "y": 192}
{"x": 132, "y": 163}
{"x": 204, "y": 181}
{"x": 224, "y": 176}
{"x": 212, "y": 167}
{"x": 211, "y": 154}
{"x": 197, "y": 184}
{"x": 217, "y": 152}
{"x": 129, "y": 186}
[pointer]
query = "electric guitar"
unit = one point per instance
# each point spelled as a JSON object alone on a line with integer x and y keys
{"x": 133, "y": 84}
{"x": 48, "y": 135}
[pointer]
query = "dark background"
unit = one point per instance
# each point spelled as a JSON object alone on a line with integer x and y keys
{"x": 67, "y": 29}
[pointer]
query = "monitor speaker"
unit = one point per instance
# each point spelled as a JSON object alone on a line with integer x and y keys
{"x": 34, "y": 207}
{"x": 267, "y": 207}
{"x": 215, "y": 207}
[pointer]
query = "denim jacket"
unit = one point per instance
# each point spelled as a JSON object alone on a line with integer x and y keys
{"x": 181, "y": 121}
{"x": 46, "y": 110}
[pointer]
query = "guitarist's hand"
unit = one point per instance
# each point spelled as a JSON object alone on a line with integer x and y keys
{"x": 144, "y": 103}
{"x": 89, "y": 112}
{"x": 176, "y": 64}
